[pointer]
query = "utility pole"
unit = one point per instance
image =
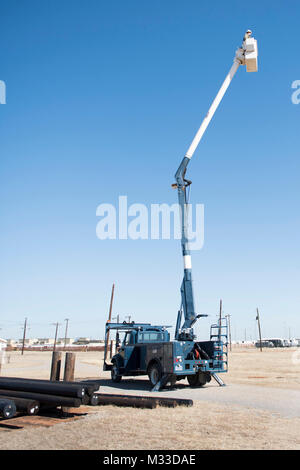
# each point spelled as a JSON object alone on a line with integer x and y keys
{"x": 24, "y": 336}
{"x": 66, "y": 332}
{"x": 129, "y": 318}
{"x": 229, "y": 330}
{"x": 259, "y": 329}
{"x": 56, "y": 330}
{"x": 109, "y": 319}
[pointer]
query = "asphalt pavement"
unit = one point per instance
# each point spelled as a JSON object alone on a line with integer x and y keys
{"x": 285, "y": 402}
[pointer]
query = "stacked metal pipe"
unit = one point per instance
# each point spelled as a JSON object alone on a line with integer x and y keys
{"x": 30, "y": 395}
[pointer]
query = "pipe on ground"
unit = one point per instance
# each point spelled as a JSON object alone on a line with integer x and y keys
{"x": 44, "y": 399}
{"x": 90, "y": 387}
{"x": 48, "y": 387}
{"x": 7, "y": 408}
{"x": 126, "y": 400}
{"x": 24, "y": 405}
{"x": 159, "y": 401}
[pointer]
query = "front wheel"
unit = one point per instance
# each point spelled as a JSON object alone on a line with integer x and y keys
{"x": 154, "y": 373}
{"x": 115, "y": 375}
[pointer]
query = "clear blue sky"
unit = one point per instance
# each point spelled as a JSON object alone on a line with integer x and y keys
{"x": 103, "y": 99}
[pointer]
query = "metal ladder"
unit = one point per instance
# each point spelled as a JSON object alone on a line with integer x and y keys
{"x": 219, "y": 334}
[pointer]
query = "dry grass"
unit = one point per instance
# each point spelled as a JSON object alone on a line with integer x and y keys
{"x": 36, "y": 364}
{"x": 204, "y": 426}
{"x": 272, "y": 367}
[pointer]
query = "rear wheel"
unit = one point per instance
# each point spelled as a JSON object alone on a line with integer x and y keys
{"x": 193, "y": 380}
{"x": 154, "y": 373}
{"x": 199, "y": 379}
{"x": 115, "y": 375}
{"x": 203, "y": 378}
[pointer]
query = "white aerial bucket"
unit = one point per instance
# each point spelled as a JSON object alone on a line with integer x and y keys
{"x": 250, "y": 47}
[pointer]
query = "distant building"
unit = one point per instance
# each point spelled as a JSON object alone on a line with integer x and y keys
{"x": 82, "y": 340}
{"x": 44, "y": 341}
{"x": 65, "y": 340}
{"x": 29, "y": 341}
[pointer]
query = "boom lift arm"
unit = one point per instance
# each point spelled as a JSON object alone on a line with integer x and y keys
{"x": 245, "y": 55}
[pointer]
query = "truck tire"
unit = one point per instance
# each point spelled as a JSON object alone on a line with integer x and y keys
{"x": 199, "y": 379}
{"x": 193, "y": 380}
{"x": 203, "y": 378}
{"x": 154, "y": 373}
{"x": 115, "y": 375}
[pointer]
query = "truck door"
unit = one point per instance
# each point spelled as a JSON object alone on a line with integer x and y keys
{"x": 127, "y": 347}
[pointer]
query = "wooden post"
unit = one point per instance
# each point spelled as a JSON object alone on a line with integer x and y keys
{"x": 259, "y": 329}
{"x": 111, "y": 349}
{"x": 109, "y": 319}
{"x": 55, "y": 366}
{"x": 69, "y": 367}
{"x": 69, "y": 373}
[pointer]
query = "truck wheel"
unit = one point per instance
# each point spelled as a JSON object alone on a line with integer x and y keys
{"x": 208, "y": 376}
{"x": 193, "y": 380}
{"x": 199, "y": 379}
{"x": 154, "y": 373}
{"x": 203, "y": 378}
{"x": 115, "y": 376}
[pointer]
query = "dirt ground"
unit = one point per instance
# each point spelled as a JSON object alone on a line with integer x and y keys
{"x": 207, "y": 425}
{"x": 276, "y": 368}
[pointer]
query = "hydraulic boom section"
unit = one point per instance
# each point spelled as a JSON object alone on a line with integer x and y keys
{"x": 245, "y": 55}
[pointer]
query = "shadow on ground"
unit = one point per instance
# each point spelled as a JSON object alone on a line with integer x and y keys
{"x": 134, "y": 384}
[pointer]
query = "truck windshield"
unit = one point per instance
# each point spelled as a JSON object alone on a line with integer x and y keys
{"x": 152, "y": 336}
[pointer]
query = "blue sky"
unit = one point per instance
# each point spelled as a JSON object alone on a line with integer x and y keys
{"x": 103, "y": 99}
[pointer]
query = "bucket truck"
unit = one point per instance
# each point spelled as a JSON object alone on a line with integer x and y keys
{"x": 147, "y": 349}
